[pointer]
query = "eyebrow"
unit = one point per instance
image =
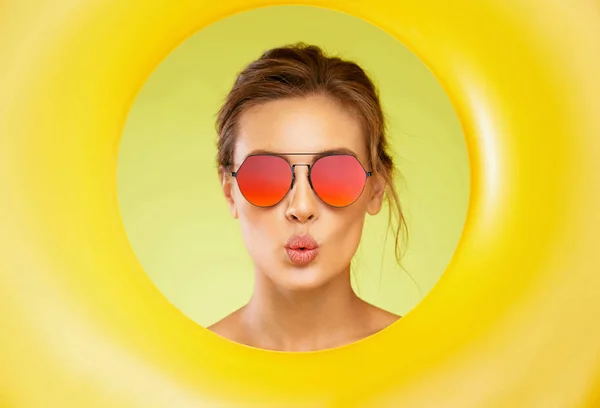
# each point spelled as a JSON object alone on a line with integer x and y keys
{"x": 339, "y": 150}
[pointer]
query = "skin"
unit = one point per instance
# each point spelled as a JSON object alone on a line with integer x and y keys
{"x": 311, "y": 307}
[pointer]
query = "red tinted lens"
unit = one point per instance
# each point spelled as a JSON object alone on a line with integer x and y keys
{"x": 338, "y": 180}
{"x": 264, "y": 180}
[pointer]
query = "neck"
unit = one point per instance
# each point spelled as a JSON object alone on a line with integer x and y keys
{"x": 303, "y": 320}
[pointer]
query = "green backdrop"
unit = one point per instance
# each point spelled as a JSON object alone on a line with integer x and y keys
{"x": 174, "y": 214}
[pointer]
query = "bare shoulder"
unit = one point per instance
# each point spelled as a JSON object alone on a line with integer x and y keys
{"x": 229, "y": 327}
{"x": 380, "y": 318}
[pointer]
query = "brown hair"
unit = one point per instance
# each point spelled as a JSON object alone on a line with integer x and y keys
{"x": 302, "y": 70}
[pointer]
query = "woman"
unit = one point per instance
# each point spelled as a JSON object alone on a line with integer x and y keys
{"x": 302, "y": 159}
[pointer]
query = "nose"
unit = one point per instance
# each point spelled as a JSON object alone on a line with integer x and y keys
{"x": 303, "y": 202}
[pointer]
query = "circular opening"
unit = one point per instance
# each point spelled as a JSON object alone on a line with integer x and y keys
{"x": 173, "y": 206}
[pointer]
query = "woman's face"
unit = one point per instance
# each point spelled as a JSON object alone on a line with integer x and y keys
{"x": 301, "y": 125}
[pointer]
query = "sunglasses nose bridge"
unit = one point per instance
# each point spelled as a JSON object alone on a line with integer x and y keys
{"x": 308, "y": 166}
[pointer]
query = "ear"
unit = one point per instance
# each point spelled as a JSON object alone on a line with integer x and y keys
{"x": 226, "y": 181}
{"x": 376, "y": 193}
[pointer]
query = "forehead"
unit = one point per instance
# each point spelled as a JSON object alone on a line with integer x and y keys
{"x": 299, "y": 125}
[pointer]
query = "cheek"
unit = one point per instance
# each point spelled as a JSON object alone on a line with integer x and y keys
{"x": 345, "y": 229}
{"x": 261, "y": 228}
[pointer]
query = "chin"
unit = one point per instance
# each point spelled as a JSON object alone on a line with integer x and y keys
{"x": 301, "y": 279}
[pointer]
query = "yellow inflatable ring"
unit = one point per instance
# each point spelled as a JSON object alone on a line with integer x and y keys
{"x": 512, "y": 323}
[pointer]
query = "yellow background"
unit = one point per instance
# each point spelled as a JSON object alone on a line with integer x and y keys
{"x": 172, "y": 208}
{"x": 512, "y": 322}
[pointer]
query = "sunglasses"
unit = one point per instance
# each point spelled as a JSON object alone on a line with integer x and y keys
{"x": 265, "y": 179}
